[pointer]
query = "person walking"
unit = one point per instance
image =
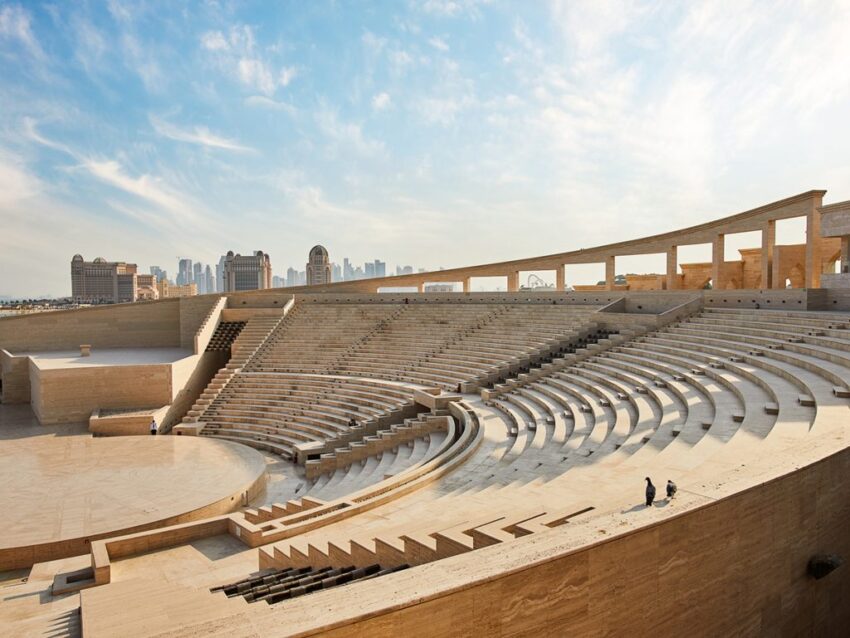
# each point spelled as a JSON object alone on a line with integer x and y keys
{"x": 153, "y": 427}
{"x": 671, "y": 489}
{"x": 650, "y": 492}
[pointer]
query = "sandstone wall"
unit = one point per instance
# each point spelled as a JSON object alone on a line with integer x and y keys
{"x": 139, "y": 325}
{"x": 736, "y": 567}
{"x": 70, "y": 395}
{"x": 15, "y": 375}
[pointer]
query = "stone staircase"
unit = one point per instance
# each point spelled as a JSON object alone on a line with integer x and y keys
{"x": 250, "y": 338}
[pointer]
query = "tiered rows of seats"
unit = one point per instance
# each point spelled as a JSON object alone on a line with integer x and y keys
{"x": 313, "y": 337}
{"x": 693, "y": 402}
{"x": 283, "y": 396}
{"x": 375, "y": 458}
{"x": 516, "y": 336}
{"x": 436, "y": 344}
{"x": 251, "y": 336}
{"x": 276, "y": 412}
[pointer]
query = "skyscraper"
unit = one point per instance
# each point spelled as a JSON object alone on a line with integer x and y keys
{"x": 291, "y": 277}
{"x": 198, "y": 277}
{"x": 370, "y": 269}
{"x": 159, "y": 273}
{"x": 219, "y": 274}
{"x": 318, "y": 266}
{"x": 336, "y": 272}
{"x": 210, "y": 280}
{"x": 184, "y": 272}
{"x": 380, "y": 268}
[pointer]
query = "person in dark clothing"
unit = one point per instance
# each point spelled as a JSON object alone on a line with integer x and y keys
{"x": 153, "y": 427}
{"x": 650, "y": 492}
{"x": 671, "y": 489}
{"x": 352, "y": 423}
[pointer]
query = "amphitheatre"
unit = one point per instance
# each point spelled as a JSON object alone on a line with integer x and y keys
{"x": 491, "y": 481}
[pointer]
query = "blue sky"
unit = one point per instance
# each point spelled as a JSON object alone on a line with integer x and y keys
{"x": 432, "y": 132}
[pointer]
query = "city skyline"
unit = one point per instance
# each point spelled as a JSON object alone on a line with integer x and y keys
{"x": 475, "y": 127}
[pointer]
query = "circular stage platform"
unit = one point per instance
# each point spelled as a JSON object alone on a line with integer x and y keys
{"x": 59, "y": 493}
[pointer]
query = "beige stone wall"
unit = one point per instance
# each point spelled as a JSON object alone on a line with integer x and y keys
{"x": 125, "y": 425}
{"x": 193, "y": 311}
{"x": 646, "y": 282}
{"x": 736, "y": 567}
{"x": 188, "y": 382}
{"x": 751, "y": 268}
{"x": 15, "y": 375}
{"x": 138, "y": 325}
{"x": 71, "y": 395}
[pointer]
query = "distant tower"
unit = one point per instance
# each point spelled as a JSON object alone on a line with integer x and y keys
{"x": 318, "y": 266}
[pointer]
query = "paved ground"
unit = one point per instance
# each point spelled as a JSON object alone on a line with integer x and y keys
{"x": 60, "y": 483}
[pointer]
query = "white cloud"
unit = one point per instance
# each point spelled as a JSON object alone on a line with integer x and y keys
{"x": 256, "y": 74}
{"x": 266, "y": 102}
{"x": 90, "y": 45}
{"x": 373, "y": 42}
{"x": 15, "y": 24}
{"x": 237, "y": 54}
{"x": 286, "y": 75}
{"x": 214, "y": 41}
{"x": 17, "y": 184}
{"x": 381, "y": 101}
{"x": 347, "y": 135}
{"x": 199, "y": 135}
{"x": 438, "y": 43}
{"x": 139, "y": 59}
{"x": 146, "y": 187}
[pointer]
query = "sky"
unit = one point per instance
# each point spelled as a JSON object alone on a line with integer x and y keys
{"x": 423, "y": 132}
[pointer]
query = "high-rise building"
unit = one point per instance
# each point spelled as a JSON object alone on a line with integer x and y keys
{"x": 347, "y": 270}
{"x": 278, "y": 282}
{"x": 184, "y": 272}
{"x": 370, "y": 269}
{"x": 247, "y": 272}
{"x": 209, "y": 280}
{"x": 380, "y": 268}
{"x": 219, "y": 274}
{"x": 318, "y": 266}
{"x": 336, "y": 272}
{"x": 198, "y": 277}
{"x": 159, "y": 273}
{"x": 102, "y": 281}
{"x": 291, "y": 277}
{"x": 404, "y": 270}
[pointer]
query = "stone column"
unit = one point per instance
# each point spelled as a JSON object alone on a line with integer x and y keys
{"x": 467, "y": 284}
{"x": 768, "y": 241}
{"x": 718, "y": 250}
{"x": 560, "y": 279}
{"x": 513, "y": 281}
{"x": 813, "y": 263}
{"x": 845, "y": 253}
{"x": 672, "y": 268}
{"x": 610, "y": 271}
{"x": 421, "y": 287}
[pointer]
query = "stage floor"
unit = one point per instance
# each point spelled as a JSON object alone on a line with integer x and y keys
{"x": 62, "y": 489}
{"x": 63, "y": 359}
